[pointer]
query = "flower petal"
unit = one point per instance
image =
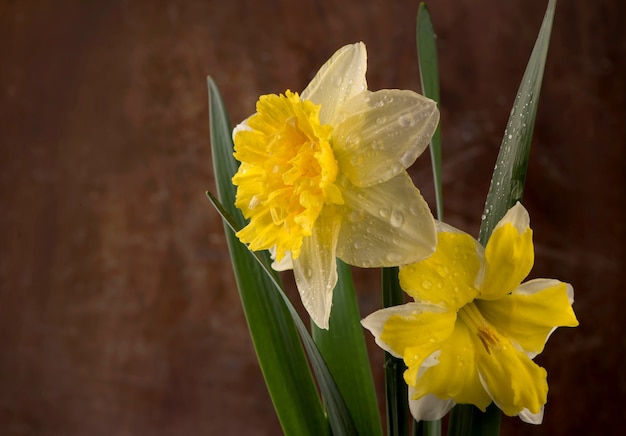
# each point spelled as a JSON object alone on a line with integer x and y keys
{"x": 511, "y": 378}
{"x": 428, "y": 407}
{"x": 315, "y": 270}
{"x": 417, "y": 335}
{"x": 456, "y": 375}
{"x": 509, "y": 254}
{"x": 379, "y": 134}
{"x": 385, "y": 225}
{"x": 339, "y": 79}
{"x": 447, "y": 277}
{"x": 531, "y": 313}
{"x": 376, "y": 324}
{"x": 532, "y": 418}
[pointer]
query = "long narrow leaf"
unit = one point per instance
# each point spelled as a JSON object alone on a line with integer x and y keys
{"x": 339, "y": 415}
{"x": 507, "y": 187}
{"x": 278, "y": 336}
{"x": 279, "y": 350}
{"x": 343, "y": 348}
{"x": 429, "y": 76}
{"x": 509, "y": 175}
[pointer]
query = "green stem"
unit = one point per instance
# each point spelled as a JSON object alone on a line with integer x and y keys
{"x": 396, "y": 390}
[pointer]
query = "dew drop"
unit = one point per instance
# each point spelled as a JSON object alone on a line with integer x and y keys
{"x": 407, "y": 159}
{"x": 432, "y": 340}
{"x": 377, "y": 144}
{"x": 397, "y": 218}
{"x": 384, "y": 212}
{"x": 427, "y": 284}
{"x": 415, "y": 208}
{"x": 510, "y": 136}
{"x": 381, "y": 120}
{"x": 356, "y": 159}
{"x": 308, "y": 272}
{"x": 405, "y": 121}
{"x": 358, "y": 245}
{"x": 394, "y": 257}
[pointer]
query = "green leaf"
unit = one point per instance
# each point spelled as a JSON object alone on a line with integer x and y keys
{"x": 279, "y": 350}
{"x": 429, "y": 76}
{"x": 509, "y": 175}
{"x": 343, "y": 348}
{"x": 283, "y": 363}
{"x": 396, "y": 390}
{"x": 507, "y": 187}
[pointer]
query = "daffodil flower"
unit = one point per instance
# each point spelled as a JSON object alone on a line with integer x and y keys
{"x": 474, "y": 328}
{"x": 322, "y": 175}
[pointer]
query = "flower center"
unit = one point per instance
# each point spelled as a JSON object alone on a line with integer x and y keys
{"x": 287, "y": 173}
{"x": 478, "y": 325}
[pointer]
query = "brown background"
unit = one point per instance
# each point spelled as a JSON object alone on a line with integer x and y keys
{"x": 118, "y": 309}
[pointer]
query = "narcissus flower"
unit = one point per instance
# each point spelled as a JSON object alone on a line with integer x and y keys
{"x": 322, "y": 175}
{"x": 474, "y": 328}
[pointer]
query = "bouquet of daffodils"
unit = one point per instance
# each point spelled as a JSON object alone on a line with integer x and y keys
{"x": 316, "y": 181}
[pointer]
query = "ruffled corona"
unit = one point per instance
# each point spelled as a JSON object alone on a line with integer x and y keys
{"x": 323, "y": 175}
{"x": 474, "y": 328}
{"x": 287, "y": 175}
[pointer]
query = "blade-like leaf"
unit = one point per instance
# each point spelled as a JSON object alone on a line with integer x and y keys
{"x": 429, "y": 76}
{"x": 509, "y": 175}
{"x": 338, "y": 413}
{"x": 507, "y": 187}
{"x": 272, "y": 319}
{"x": 343, "y": 348}
{"x": 279, "y": 350}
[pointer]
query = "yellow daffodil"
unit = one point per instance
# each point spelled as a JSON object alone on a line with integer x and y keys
{"x": 474, "y": 328}
{"x": 322, "y": 175}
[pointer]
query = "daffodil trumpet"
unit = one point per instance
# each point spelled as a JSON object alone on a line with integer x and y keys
{"x": 474, "y": 327}
{"x": 323, "y": 175}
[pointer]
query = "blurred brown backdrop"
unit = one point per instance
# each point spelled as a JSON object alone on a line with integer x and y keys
{"x": 118, "y": 310}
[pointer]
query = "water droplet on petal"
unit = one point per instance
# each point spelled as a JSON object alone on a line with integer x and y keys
{"x": 427, "y": 284}
{"x": 407, "y": 159}
{"x": 384, "y": 212}
{"x": 405, "y": 120}
{"x": 381, "y": 120}
{"x": 397, "y": 218}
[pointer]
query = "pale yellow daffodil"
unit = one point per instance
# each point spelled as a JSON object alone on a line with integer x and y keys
{"x": 474, "y": 328}
{"x": 322, "y": 175}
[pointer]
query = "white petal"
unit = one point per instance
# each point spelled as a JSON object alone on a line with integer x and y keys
{"x": 531, "y": 418}
{"x": 386, "y": 225}
{"x": 518, "y": 216}
{"x": 379, "y": 134}
{"x": 242, "y": 126}
{"x": 285, "y": 264}
{"x": 339, "y": 79}
{"x": 375, "y": 323}
{"x": 429, "y": 407}
{"x": 315, "y": 270}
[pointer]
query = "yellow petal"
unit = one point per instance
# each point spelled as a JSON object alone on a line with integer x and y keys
{"x": 417, "y": 335}
{"x": 385, "y": 225}
{"x": 513, "y": 381}
{"x": 447, "y": 277}
{"x": 456, "y": 376}
{"x": 315, "y": 270}
{"x": 509, "y": 254}
{"x": 379, "y": 134}
{"x": 375, "y": 323}
{"x": 531, "y": 313}
{"x": 339, "y": 79}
